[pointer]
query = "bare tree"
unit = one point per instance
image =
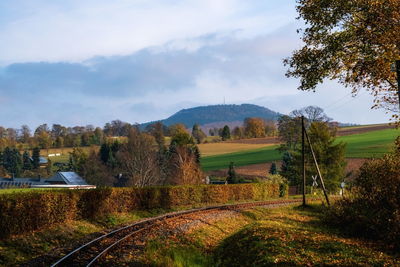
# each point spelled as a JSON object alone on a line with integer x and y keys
{"x": 311, "y": 113}
{"x": 138, "y": 160}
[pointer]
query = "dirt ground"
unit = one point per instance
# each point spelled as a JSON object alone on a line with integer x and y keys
{"x": 362, "y": 129}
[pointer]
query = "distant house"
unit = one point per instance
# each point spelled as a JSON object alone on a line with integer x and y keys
{"x": 42, "y": 161}
{"x": 59, "y": 180}
{"x": 68, "y": 178}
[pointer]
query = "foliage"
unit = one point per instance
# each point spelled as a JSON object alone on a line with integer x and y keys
{"x": 137, "y": 160}
{"x": 36, "y": 157}
{"x": 288, "y": 168}
{"x": 352, "y": 41}
{"x": 26, "y": 161}
{"x": 226, "y": 133}
{"x": 232, "y": 178}
{"x": 238, "y": 132}
{"x": 78, "y": 158}
{"x": 254, "y": 127}
{"x": 374, "y": 209}
{"x": 289, "y": 129}
{"x": 198, "y": 134}
{"x": 273, "y": 169}
{"x": 19, "y": 209}
{"x": 329, "y": 154}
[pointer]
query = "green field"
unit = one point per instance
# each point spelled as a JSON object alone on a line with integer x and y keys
{"x": 364, "y": 145}
{"x": 370, "y": 144}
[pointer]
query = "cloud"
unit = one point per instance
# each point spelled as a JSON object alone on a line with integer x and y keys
{"x": 76, "y": 30}
{"x": 89, "y": 62}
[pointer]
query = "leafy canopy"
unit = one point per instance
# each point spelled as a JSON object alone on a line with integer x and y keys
{"x": 352, "y": 41}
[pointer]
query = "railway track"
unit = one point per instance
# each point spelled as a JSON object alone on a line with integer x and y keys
{"x": 90, "y": 253}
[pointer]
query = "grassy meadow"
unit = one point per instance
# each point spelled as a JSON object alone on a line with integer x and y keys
{"x": 287, "y": 236}
{"x": 362, "y": 145}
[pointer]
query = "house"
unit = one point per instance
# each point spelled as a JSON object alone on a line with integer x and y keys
{"x": 42, "y": 161}
{"x": 59, "y": 180}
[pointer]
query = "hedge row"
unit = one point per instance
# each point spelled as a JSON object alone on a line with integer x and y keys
{"x": 33, "y": 210}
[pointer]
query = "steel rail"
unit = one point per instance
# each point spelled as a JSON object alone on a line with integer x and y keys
{"x": 152, "y": 220}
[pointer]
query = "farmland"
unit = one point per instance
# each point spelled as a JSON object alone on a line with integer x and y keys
{"x": 362, "y": 145}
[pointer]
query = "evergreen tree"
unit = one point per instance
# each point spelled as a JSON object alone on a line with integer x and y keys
{"x": 12, "y": 161}
{"x": 232, "y": 179}
{"x": 36, "y": 158}
{"x": 104, "y": 152}
{"x": 226, "y": 133}
{"x": 287, "y": 168}
{"x": 273, "y": 169}
{"x": 26, "y": 161}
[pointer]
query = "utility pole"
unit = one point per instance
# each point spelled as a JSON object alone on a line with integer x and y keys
{"x": 318, "y": 170}
{"x": 398, "y": 79}
{"x": 303, "y": 129}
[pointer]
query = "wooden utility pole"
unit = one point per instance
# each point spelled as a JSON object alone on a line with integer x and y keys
{"x": 316, "y": 165}
{"x": 303, "y": 129}
{"x": 398, "y": 79}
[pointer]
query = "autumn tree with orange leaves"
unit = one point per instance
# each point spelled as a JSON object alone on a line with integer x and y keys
{"x": 354, "y": 42}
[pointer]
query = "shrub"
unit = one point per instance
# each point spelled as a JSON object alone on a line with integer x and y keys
{"x": 24, "y": 211}
{"x": 374, "y": 209}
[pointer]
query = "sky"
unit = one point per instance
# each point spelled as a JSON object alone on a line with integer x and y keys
{"x": 89, "y": 62}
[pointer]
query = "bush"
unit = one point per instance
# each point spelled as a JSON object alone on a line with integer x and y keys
{"x": 24, "y": 211}
{"x": 373, "y": 211}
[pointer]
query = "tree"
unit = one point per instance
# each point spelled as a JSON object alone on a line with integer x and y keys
{"x": 289, "y": 129}
{"x": 238, "y": 132}
{"x": 183, "y": 167}
{"x": 78, "y": 159}
{"x": 226, "y": 133}
{"x": 288, "y": 169}
{"x": 198, "y": 134}
{"x": 177, "y": 128}
{"x": 273, "y": 169}
{"x": 12, "y": 161}
{"x": 96, "y": 172}
{"x": 352, "y": 41}
{"x": 232, "y": 178}
{"x": 25, "y": 134}
{"x": 36, "y": 158}
{"x": 26, "y": 161}
{"x": 311, "y": 113}
{"x": 270, "y": 128}
{"x": 157, "y": 131}
{"x": 330, "y": 156}
{"x": 254, "y": 127}
{"x": 138, "y": 161}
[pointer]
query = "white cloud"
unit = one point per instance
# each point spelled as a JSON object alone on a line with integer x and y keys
{"x": 84, "y": 29}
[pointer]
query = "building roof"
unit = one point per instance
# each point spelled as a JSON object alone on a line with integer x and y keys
{"x": 69, "y": 178}
{"x": 20, "y": 182}
{"x": 42, "y": 160}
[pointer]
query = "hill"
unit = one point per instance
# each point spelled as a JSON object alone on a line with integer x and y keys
{"x": 218, "y": 115}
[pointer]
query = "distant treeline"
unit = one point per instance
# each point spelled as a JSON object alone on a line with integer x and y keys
{"x": 59, "y": 136}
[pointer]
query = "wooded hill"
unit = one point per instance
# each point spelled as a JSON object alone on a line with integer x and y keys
{"x": 218, "y": 113}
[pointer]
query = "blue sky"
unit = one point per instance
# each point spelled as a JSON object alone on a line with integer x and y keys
{"x": 88, "y": 62}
